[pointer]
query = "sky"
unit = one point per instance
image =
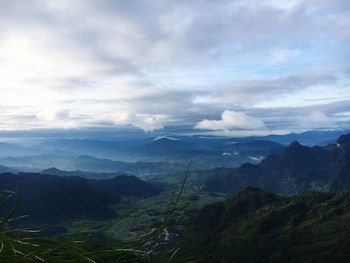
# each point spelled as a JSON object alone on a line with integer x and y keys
{"x": 230, "y": 67}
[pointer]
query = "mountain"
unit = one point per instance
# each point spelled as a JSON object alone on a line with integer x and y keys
{"x": 214, "y": 145}
{"x": 309, "y": 138}
{"x": 206, "y": 152}
{"x": 52, "y": 199}
{"x": 166, "y": 144}
{"x": 253, "y": 145}
{"x": 91, "y": 164}
{"x": 210, "y": 152}
{"x": 256, "y": 226}
{"x": 6, "y": 169}
{"x": 296, "y": 169}
{"x": 151, "y": 156}
{"x": 97, "y": 148}
{"x": 89, "y": 175}
{"x": 10, "y": 149}
{"x": 344, "y": 139}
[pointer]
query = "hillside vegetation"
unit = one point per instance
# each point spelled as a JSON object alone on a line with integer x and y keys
{"x": 256, "y": 226}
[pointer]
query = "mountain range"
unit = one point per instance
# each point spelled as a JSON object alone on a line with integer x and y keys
{"x": 130, "y": 155}
{"x": 296, "y": 169}
{"x": 90, "y": 164}
{"x": 166, "y": 156}
{"x": 89, "y": 175}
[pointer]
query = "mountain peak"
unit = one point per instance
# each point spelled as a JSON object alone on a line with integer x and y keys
{"x": 344, "y": 139}
{"x": 53, "y": 169}
{"x": 295, "y": 145}
{"x": 165, "y": 139}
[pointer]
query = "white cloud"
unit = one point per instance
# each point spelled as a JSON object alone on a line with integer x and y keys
{"x": 56, "y": 118}
{"x": 281, "y": 56}
{"x": 231, "y": 120}
{"x": 147, "y": 122}
{"x": 285, "y": 5}
{"x": 316, "y": 120}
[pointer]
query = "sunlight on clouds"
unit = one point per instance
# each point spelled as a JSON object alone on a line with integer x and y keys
{"x": 316, "y": 120}
{"x": 37, "y": 56}
{"x": 146, "y": 122}
{"x": 231, "y": 120}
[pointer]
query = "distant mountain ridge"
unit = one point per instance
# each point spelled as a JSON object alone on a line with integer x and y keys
{"x": 149, "y": 156}
{"x": 89, "y": 175}
{"x": 296, "y": 169}
{"x": 91, "y": 164}
{"x": 10, "y": 149}
{"x": 6, "y": 169}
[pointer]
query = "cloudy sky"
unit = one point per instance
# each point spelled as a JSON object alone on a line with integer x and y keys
{"x": 255, "y": 67}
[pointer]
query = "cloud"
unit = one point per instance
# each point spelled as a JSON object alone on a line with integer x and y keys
{"x": 254, "y": 92}
{"x": 317, "y": 120}
{"x": 51, "y": 114}
{"x": 147, "y": 122}
{"x": 281, "y": 56}
{"x": 231, "y": 120}
{"x": 283, "y": 5}
{"x": 170, "y": 62}
{"x": 57, "y": 118}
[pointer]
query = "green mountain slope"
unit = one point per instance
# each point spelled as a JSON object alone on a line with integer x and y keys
{"x": 53, "y": 199}
{"x": 256, "y": 226}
